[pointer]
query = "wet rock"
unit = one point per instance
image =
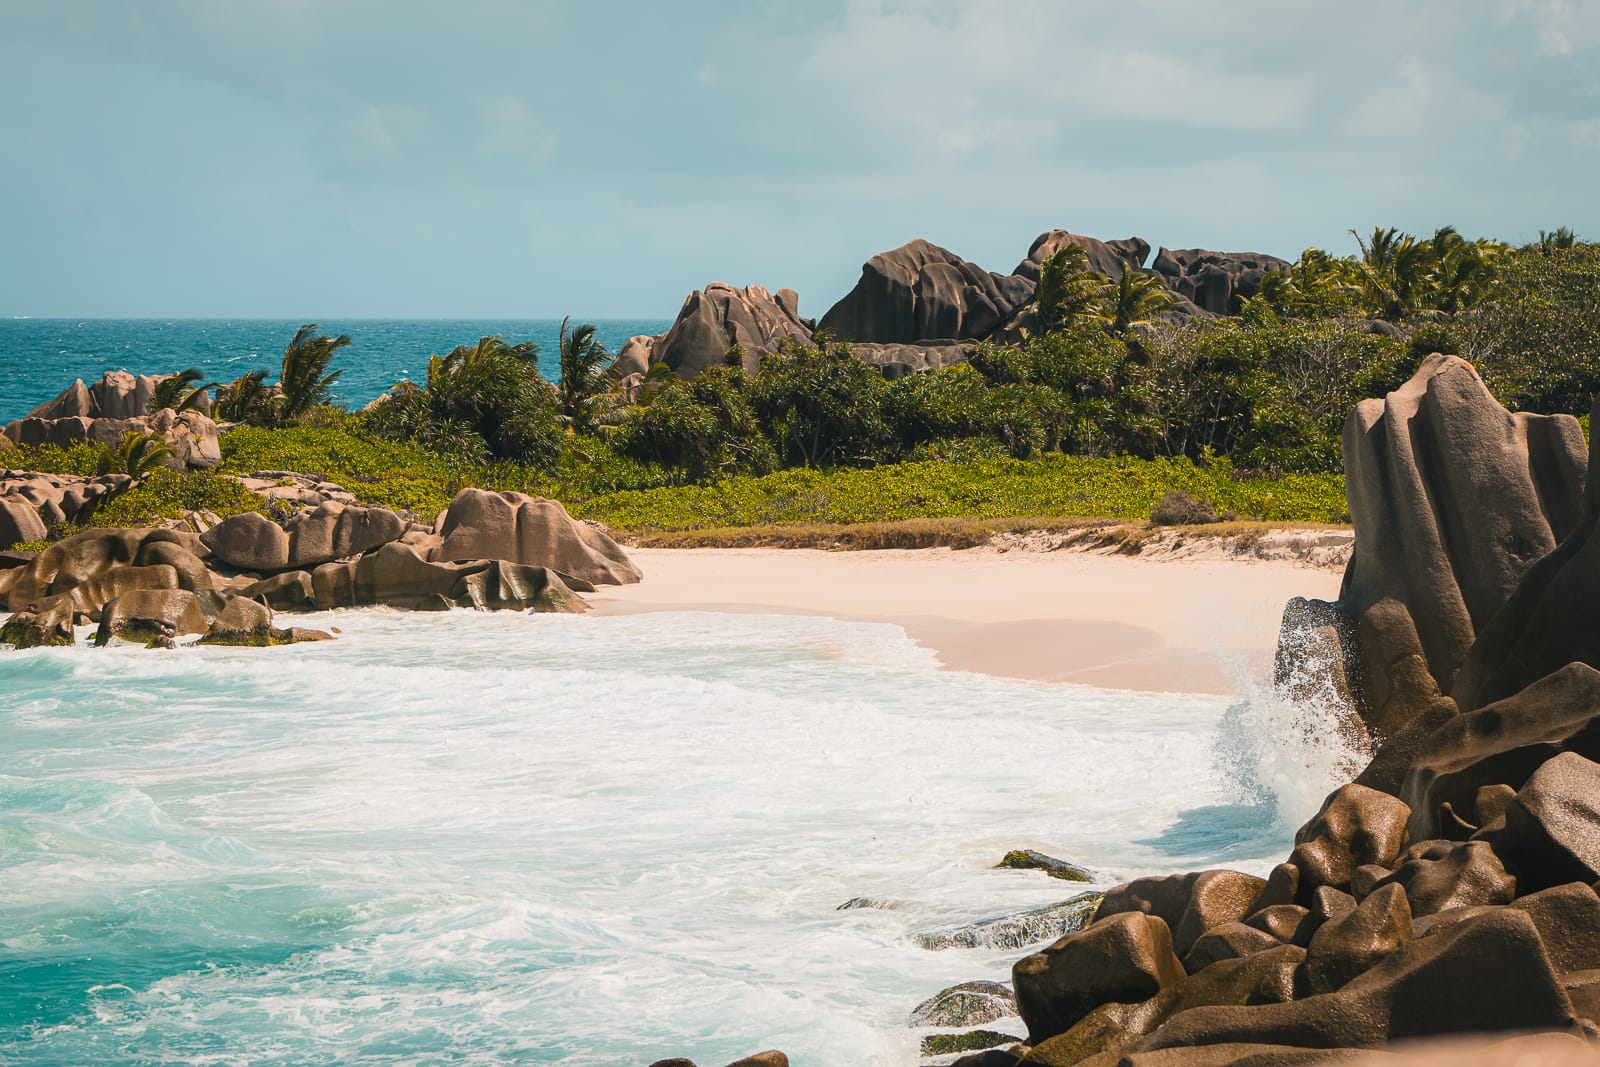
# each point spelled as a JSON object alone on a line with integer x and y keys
{"x": 1029, "y": 860}
{"x": 1164, "y": 896}
{"x": 1355, "y": 827}
{"x": 49, "y": 625}
{"x": 1551, "y": 832}
{"x": 1290, "y": 924}
{"x": 1568, "y": 920}
{"x": 969, "y": 1041}
{"x": 144, "y": 615}
{"x": 1498, "y": 747}
{"x": 1452, "y": 875}
{"x": 855, "y": 903}
{"x": 1216, "y": 897}
{"x": 967, "y": 1004}
{"x": 1126, "y": 958}
{"x": 1229, "y": 941}
{"x": 1017, "y": 930}
{"x": 1353, "y": 944}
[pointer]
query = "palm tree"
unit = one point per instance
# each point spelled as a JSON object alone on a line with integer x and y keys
{"x": 583, "y": 365}
{"x": 178, "y": 391}
{"x": 1393, "y": 269}
{"x": 245, "y": 399}
{"x": 1136, "y": 300}
{"x": 1463, "y": 271}
{"x": 1068, "y": 289}
{"x": 136, "y": 456}
{"x": 302, "y": 383}
{"x": 1556, "y": 240}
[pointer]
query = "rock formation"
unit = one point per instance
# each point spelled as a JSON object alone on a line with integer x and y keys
{"x": 1111, "y": 258}
{"x": 521, "y": 529}
{"x": 1449, "y": 889}
{"x": 1215, "y": 282}
{"x": 718, "y": 317}
{"x": 920, "y": 292}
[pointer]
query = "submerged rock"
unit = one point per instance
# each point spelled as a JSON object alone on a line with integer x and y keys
{"x": 969, "y": 1041}
{"x": 967, "y": 1004}
{"x": 1017, "y": 930}
{"x": 1029, "y": 860}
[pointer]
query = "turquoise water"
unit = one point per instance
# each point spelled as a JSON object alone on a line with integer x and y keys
{"x": 485, "y": 838}
{"x": 40, "y": 357}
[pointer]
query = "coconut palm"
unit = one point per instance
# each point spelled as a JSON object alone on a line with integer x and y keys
{"x": 304, "y": 383}
{"x": 178, "y": 391}
{"x": 1068, "y": 289}
{"x": 583, "y": 366}
{"x": 1463, "y": 271}
{"x": 1557, "y": 240}
{"x": 245, "y": 399}
{"x": 1136, "y": 300}
{"x": 136, "y": 455}
{"x": 1393, "y": 269}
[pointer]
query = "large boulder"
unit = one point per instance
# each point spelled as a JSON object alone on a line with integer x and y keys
{"x": 1501, "y": 745}
{"x": 46, "y": 624}
{"x": 75, "y": 399}
{"x": 249, "y": 541}
{"x": 1355, "y": 827}
{"x": 19, "y": 522}
{"x": 1111, "y": 258}
{"x": 920, "y": 292}
{"x": 94, "y": 567}
{"x": 1125, "y": 958}
{"x": 149, "y": 616}
{"x": 333, "y": 531}
{"x": 634, "y": 357}
{"x": 518, "y": 528}
{"x": 1215, "y": 282}
{"x": 395, "y": 576}
{"x": 720, "y": 316}
{"x": 1453, "y": 500}
{"x": 1550, "y": 621}
{"x": 1551, "y": 830}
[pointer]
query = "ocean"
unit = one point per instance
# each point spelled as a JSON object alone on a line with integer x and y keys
{"x": 476, "y": 838}
{"x": 40, "y": 357}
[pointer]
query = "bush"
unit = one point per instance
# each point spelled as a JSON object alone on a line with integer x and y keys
{"x": 1179, "y": 508}
{"x": 821, "y": 406}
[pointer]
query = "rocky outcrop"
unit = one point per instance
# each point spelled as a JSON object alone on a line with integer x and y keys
{"x": 1111, "y": 258}
{"x": 919, "y": 292}
{"x": 151, "y": 617}
{"x": 1215, "y": 282}
{"x": 192, "y": 434}
{"x": 634, "y": 357}
{"x": 395, "y": 576}
{"x": 720, "y": 316}
{"x": 117, "y": 395}
{"x": 534, "y": 531}
{"x": 330, "y": 531}
{"x": 1450, "y": 889}
{"x": 1453, "y": 499}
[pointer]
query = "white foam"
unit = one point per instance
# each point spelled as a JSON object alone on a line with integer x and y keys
{"x": 594, "y": 840}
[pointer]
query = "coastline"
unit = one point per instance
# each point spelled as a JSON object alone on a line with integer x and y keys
{"x": 1187, "y": 625}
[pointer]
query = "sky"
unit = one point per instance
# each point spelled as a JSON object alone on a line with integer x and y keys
{"x": 491, "y": 158}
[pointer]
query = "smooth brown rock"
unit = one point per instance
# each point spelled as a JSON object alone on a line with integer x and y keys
{"x": 1283, "y": 886}
{"x": 144, "y": 615}
{"x": 1355, "y": 827}
{"x": 1351, "y": 945}
{"x": 1551, "y": 832}
{"x": 396, "y": 576}
{"x": 98, "y": 565}
{"x": 1166, "y": 897}
{"x": 480, "y": 525}
{"x": 1453, "y": 875}
{"x": 1453, "y": 500}
{"x": 1498, "y": 747}
{"x": 1490, "y": 969}
{"x": 1288, "y": 923}
{"x": 250, "y": 542}
{"x": 289, "y": 591}
{"x": 1228, "y": 941}
{"x": 1216, "y": 897}
{"x": 1568, "y": 920}
{"x": 1126, "y": 958}
{"x": 1215, "y": 282}
{"x": 333, "y": 531}
{"x": 49, "y": 625}
{"x": 19, "y": 522}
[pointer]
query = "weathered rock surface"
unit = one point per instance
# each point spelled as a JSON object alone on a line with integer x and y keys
{"x": 396, "y": 576}
{"x": 1215, "y": 282}
{"x": 1017, "y": 930}
{"x": 967, "y": 1004}
{"x": 921, "y": 292}
{"x": 720, "y": 316}
{"x": 1111, "y": 258}
{"x": 1026, "y": 859}
{"x": 480, "y": 525}
{"x": 96, "y": 566}
{"x": 1453, "y": 500}
{"x": 117, "y": 395}
{"x": 149, "y": 615}
{"x": 1125, "y": 958}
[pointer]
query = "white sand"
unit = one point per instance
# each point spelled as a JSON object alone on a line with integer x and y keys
{"x": 1196, "y": 626}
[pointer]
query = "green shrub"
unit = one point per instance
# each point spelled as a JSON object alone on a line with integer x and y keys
{"x": 166, "y": 494}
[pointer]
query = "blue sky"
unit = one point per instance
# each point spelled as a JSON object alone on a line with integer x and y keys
{"x": 343, "y": 158}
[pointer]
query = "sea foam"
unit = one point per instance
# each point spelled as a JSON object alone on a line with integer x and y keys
{"x": 475, "y": 837}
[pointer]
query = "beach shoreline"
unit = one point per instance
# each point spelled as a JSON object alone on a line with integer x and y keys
{"x": 1115, "y": 622}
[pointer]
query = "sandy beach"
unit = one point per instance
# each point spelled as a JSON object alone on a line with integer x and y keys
{"x": 1194, "y": 626}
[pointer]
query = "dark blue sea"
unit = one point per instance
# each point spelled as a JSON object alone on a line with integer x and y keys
{"x": 40, "y": 357}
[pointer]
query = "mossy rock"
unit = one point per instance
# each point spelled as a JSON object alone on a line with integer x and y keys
{"x": 967, "y": 1041}
{"x": 1029, "y": 860}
